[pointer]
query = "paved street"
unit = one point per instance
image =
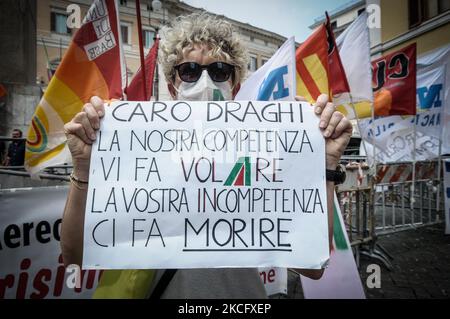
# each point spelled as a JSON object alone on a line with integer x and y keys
{"x": 421, "y": 266}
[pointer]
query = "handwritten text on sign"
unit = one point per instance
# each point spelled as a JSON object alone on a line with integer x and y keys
{"x": 207, "y": 184}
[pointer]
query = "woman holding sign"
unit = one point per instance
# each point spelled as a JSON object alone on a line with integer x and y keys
{"x": 203, "y": 59}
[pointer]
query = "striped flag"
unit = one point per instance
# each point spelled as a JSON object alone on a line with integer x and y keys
{"x": 319, "y": 66}
{"x": 92, "y": 65}
{"x": 312, "y": 65}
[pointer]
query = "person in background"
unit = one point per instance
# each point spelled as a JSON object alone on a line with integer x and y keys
{"x": 202, "y": 58}
{"x": 16, "y": 150}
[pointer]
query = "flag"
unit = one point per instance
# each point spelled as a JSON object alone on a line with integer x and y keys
{"x": 275, "y": 80}
{"x": 354, "y": 49}
{"x": 393, "y": 135}
{"x": 394, "y": 83}
{"x": 341, "y": 279}
{"x": 92, "y": 65}
{"x": 319, "y": 66}
{"x": 135, "y": 90}
{"x": 337, "y": 77}
{"x": 312, "y": 65}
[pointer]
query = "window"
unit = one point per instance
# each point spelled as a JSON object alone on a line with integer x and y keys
{"x": 252, "y": 64}
{"x": 263, "y": 61}
{"x": 58, "y": 23}
{"x": 123, "y": 3}
{"x": 252, "y": 39}
{"x": 423, "y": 10}
{"x": 125, "y": 32}
{"x": 148, "y": 38}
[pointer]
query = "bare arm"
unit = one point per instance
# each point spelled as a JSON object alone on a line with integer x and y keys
{"x": 73, "y": 224}
{"x": 80, "y": 133}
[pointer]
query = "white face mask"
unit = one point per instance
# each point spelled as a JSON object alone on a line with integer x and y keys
{"x": 204, "y": 89}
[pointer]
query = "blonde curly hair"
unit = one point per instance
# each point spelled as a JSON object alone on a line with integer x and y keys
{"x": 201, "y": 28}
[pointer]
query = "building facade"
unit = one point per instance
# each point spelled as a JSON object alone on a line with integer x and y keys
{"x": 401, "y": 22}
{"x": 53, "y": 35}
{"x": 426, "y": 22}
{"x": 342, "y": 17}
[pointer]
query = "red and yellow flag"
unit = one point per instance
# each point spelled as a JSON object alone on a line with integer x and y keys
{"x": 319, "y": 66}
{"x": 312, "y": 65}
{"x": 337, "y": 77}
{"x": 92, "y": 65}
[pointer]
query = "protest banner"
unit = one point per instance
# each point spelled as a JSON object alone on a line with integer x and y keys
{"x": 394, "y": 135}
{"x": 394, "y": 79}
{"x": 31, "y": 264}
{"x": 207, "y": 184}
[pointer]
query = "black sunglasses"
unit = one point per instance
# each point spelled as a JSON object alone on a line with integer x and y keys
{"x": 192, "y": 71}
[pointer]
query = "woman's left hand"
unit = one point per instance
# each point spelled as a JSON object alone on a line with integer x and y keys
{"x": 335, "y": 127}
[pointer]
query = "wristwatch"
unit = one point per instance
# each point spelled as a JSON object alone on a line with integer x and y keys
{"x": 337, "y": 176}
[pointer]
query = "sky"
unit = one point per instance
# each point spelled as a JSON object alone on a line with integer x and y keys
{"x": 285, "y": 17}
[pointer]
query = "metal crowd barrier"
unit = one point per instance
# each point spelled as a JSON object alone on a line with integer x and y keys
{"x": 402, "y": 204}
{"x": 389, "y": 202}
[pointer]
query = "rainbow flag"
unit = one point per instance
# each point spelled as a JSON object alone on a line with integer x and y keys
{"x": 92, "y": 65}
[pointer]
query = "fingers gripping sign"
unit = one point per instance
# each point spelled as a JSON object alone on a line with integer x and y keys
{"x": 335, "y": 127}
{"x": 81, "y": 133}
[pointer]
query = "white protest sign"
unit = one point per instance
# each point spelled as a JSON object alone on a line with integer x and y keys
{"x": 207, "y": 184}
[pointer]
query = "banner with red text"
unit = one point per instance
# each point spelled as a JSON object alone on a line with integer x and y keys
{"x": 30, "y": 255}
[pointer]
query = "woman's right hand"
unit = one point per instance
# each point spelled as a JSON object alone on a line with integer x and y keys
{"x": 81, "y": 133}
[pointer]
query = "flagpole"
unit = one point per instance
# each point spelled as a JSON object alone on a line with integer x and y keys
{"x": 48, "y": 60}
{"x": 438, "y": 199}
{"x": 357, "y": 121}
{"x": 438, "y": 195}
{"x": 141, "y": 48}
